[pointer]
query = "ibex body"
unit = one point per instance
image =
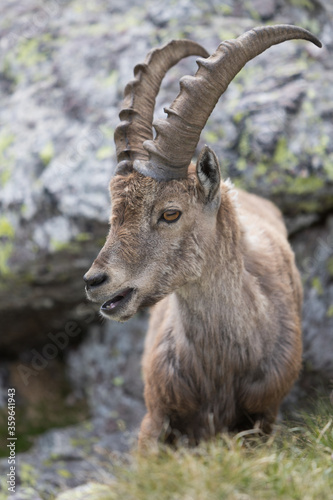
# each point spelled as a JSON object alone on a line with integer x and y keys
{"x": 224, "y": 342}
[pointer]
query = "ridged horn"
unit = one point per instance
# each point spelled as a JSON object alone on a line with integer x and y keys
{"x": 177, "y": 136}
{"x": 140, "y": 93}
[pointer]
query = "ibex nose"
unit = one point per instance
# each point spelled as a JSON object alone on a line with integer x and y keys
{"x": 95, "y": 280}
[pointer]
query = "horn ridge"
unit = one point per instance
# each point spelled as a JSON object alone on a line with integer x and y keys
{"x": 140, "y": 93}
{"x": 199, "y": 94}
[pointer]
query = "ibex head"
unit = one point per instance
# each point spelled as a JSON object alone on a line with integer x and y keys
{"x": 163, "y": 217}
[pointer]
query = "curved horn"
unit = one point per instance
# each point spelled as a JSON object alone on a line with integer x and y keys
{"x": 177, "y": 136}
{"x": 140, "y": 94}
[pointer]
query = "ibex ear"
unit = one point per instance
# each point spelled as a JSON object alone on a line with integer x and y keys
{"x": 208, "y": 172}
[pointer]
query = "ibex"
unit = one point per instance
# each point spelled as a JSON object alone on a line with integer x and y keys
{"x": 224, "y": 342}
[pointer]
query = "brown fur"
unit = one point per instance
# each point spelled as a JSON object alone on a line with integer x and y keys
{"x": 224, "y": 341}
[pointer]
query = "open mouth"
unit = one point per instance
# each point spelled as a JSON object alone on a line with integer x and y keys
{"x": 117, "y": 301}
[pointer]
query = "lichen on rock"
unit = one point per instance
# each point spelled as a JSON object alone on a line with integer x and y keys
{"x": 62, "y": 73}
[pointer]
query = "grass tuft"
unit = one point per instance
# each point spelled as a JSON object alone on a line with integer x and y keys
{"x": 295, "y": 463}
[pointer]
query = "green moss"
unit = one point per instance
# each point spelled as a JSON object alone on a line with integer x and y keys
{"x": 133, "y": 18}
{"x": 6, "y": 229}
{"x": 312, "y": 24}
{"x": 211, "y": 137}
{"x": 111, "y": 80}
{"x": 28, "y": 475}
{"x": 238, "y": 117}
{"x": 6, "y": 160}
{"x": 329, "y": 266}
{"x": 306, "y": 4}
{"x": 298, "y": 66}
{"x": 4, "y": 176}
{"x": 47, "y": 153}
{"x": 321, "y": 147}
{"x": 121, "y": 424}
{"x": 328, "y": 166}
{"x": 72, "y": 246}
{"x": 317, "y": 285}
{"x": 6, "y": 139}
{"x": 3, "y": 487}
{"x": 107, "y": 131}
{"x": 304, "y": 185}
{"x": 97, "y": 29}
{"x": 100, "y": 242}
{"x": 252, "y": 11}
{"x": 246, "y": 76}
{"x": 239, "y": 183}
{"x": 244, "y": 145}
{"x": 261, "y": 169}
{"x": 329, "y": 313}
{"x": 88, "y": 425}
{"x": 6, "y": 250}
{"x": 36, "y": 419}
{"x": 118, "y": 381}
{"x": 310, "y": 112}
{"x": 64, "y": 473}
{"x": 225, "y": 10}
{"x": 104, "y": 152}
{"x": 29, "y": 53}
{"x": 282, "y": 156}
{"x": 226, "y": 34}
{"x": 83, "y": 237}
{"x": 58, "y": 246}
{"x": 310, "y": 207}
{"x": 241, "y": 164}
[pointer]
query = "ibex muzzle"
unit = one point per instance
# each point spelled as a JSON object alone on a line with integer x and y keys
{"x": 224, "y": 342}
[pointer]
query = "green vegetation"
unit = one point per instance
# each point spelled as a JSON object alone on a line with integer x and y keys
{"x": 306, "y": 4}
{"x": 47, "y": 153}
{"x": 330, "y": 266}
{"x": 304, "y": 185}
{"x": 295, "y": 463}
{"x": 6, "y": 229}
{"x": 36, "y": 418}
{"x": 29, "y": 52}
{"x": 328, "y": 166}
{"x": 6, "y": 250}
{"x": 111, "y": 80}
{"x": 6, "y": 246}
{"x": 283, "y": 156}
{"x": 6, "y": 159}
{"x": 104, "y": 152}
{"x": 329, "y": 313}
{"x": 317, "y": 285}
{"x": 211, "y": 137}
{"x": 28, "y": 475}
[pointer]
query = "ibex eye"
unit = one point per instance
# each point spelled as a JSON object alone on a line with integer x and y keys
{"x": 171, "y": 215}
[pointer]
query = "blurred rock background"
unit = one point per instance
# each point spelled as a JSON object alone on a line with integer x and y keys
{"x": 63, "y": 67}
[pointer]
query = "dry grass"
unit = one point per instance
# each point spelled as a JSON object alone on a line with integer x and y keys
{"x": 295, "y": 463}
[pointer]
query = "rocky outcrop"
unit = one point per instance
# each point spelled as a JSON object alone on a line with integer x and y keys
{"x": 62, "y": 73}
{"x": 61, "y": 82}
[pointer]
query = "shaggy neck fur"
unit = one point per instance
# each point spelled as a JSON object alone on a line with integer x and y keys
{"x": 216, "y": 335}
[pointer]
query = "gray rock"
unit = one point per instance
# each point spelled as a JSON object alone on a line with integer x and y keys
{"x": 265, "y": 8}
{"x": 25, "y": 494}
{"x": 62, "y": 74}
{"x": 314, "y": 253}
{"x": 62, "y": 82}
{"x": 89, "y": 491}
